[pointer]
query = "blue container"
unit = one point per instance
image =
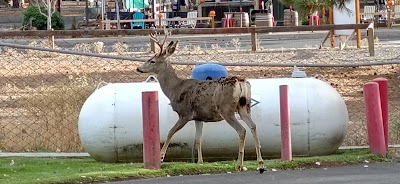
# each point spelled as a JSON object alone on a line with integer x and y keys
{"x": 209, "y": 72}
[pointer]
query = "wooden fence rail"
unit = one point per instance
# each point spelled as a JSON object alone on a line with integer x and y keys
{"x": 185, "y": 31}
{"x": 142, "y": 32}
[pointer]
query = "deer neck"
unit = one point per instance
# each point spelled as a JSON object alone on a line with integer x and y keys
{"x": 168, "y": 80}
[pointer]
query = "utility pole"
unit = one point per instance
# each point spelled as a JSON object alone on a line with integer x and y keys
{"x": 117, "y": 12}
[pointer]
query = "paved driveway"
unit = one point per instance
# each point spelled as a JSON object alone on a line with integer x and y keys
{"x": 379, "y": 173}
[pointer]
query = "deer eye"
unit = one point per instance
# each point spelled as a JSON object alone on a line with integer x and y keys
{"x": 152, "y": 62}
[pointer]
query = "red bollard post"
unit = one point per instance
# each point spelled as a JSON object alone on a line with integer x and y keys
{"x": 383, "y": 93}
{"x": 151, "y": 131}
{"x": 373, "y": 112}
{"x": 286, "y": 140}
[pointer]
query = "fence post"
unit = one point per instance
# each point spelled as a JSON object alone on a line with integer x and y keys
{"x": 212, "y": 22}
{"x": 383, "y": 93}
{"x": 212, "y": 15}
{"x": 253, "y": 38}
{"x": 370, "y": 33}
{"x": 108, "y": 25}
{"x": 151, "y": 132}
{"x": 286, "y": 142}
{"x": 358, "y": 32}
{"x": 160, "y": 16}
{"x": 332, "y": 32}
{"x": 51, "y": 40}
{"x": 152, "y": 45}
{"x": 373, "y": 112}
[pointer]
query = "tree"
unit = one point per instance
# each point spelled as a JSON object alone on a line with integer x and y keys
{"x": 50, "y": 6}
{"x": 307, "y": 7}
{"x": 33, "y": 18}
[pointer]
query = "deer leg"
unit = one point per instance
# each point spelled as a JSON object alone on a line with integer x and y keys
{"x": 178, "y": 125}
{"x": 199, "y": 132}
{"x": 247, "y": 119}
{"x": 234, "y": 123}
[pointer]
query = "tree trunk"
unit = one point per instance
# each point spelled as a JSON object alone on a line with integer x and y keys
{"x": 48, "y": 15}
{"x": 58, "y": 6}
{"x": 323, "y": 18}
{"x": 15, "y": 4}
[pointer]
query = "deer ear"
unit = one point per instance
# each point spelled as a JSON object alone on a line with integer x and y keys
{"x": 171, "y": 47}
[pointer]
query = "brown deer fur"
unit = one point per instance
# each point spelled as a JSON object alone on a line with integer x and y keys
{"x": 203, "y": 101}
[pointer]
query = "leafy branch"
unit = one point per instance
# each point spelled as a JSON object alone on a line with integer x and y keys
{"x": 46, "y": 4}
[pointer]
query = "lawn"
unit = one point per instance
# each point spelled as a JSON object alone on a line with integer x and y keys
{"x": 23, "y": 170}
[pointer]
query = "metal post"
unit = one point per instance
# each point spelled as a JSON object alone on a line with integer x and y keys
{"x": 151, "y": 132}
{"x": 286, "y": 142}
{"x": 253, "y": 39}
{"x": 374, "y": 118}
{"x": 153, "y": 7}
{"x": 87, "y": 12}
{"x": 383, "y": 94}
{"x": 102, "y": 14}
{"x": 117, "y": 13}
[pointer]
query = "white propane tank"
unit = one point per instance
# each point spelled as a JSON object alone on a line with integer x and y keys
{"x": 110, "y": 122}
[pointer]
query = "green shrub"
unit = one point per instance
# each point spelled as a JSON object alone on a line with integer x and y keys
{"x": 305, "y": 21}
{"x": 40, "y": 21}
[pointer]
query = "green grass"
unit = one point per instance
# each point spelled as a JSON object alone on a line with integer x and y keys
{"x": 63, "y": 170}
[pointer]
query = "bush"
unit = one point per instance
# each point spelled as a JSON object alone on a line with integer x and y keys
{"x": 305, "y": 21}
{"x": 40, "y": 21}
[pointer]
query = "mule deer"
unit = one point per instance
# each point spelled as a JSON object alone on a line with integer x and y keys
{"x": 203, "y": 101}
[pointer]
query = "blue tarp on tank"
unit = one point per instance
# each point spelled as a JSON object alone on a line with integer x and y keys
{"x": 209, "y": 71}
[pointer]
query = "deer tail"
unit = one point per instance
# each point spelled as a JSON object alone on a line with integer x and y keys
{"x": 245, "y": 93}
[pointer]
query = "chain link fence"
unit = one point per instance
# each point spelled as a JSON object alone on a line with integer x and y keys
{"x": 41, "y": 92}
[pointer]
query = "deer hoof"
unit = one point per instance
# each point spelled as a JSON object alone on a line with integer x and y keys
{"x": 239, "y": 168}
{"x": 262, "y": 170}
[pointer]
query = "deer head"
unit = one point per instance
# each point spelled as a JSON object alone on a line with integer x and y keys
{"x": 158, "y": 62}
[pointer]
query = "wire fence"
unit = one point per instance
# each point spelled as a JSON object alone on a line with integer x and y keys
{"x": 41, "y": 92}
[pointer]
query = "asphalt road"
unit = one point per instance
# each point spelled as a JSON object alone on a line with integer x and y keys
{"x": 378, "y": 173}
{"x": 274, "y": 40}
{"x": 208, "y": 42}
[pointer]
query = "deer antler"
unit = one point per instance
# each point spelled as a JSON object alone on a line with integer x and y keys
{"x": 166, "y": 35}
{"x": 154, "y": 37}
